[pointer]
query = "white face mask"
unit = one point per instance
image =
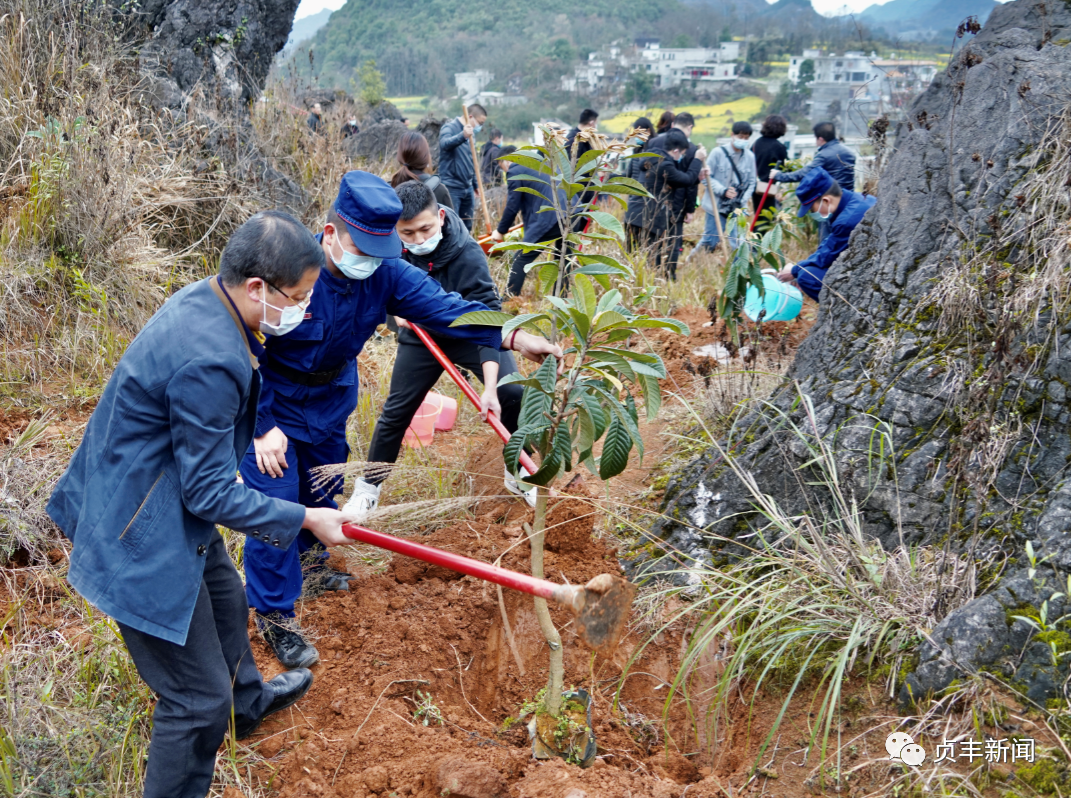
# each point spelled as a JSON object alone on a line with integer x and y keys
{"x": 356, "y": 267}
{"x": 741, "y": 144}
{"x": 429, "y": 244}
{"x": 291, "y": 317}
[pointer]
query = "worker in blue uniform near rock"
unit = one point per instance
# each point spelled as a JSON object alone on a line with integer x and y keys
{"x": 154, "y": 475}
{"x": 821, "y": 196}
{"x": 310, "y": 388}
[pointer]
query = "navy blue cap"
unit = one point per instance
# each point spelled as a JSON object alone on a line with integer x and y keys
{"x": 370, "y": 208}
{"x": 812, "y": 188}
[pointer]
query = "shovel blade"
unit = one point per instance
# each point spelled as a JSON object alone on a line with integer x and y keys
{"x": 601, "y": 621}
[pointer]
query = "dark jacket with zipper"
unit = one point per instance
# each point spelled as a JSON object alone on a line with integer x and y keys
{"x": 684, "y": 199}
{"x": 663, "y": 180}
{"x": 460, "y": 267}
{"x": 455, "y": 156}
{"x": 537, "y": 226}
{"x": 489, "y": 168}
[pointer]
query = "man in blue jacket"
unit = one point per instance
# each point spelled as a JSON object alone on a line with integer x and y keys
{"x": 821, "y": 196}
{"x": 456, "y": 168}
{"x": 310, "y": 387}
{"x": 154, "y": 475}
{"x": 832, "y": 156}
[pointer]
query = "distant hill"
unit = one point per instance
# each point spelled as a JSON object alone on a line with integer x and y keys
{"x": 306, "y": 27}
{"x": 921, "y": 15}
{"x": 418, "y": 45}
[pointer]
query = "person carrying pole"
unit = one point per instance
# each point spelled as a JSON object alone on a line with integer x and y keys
{"x": 435, "y": 241}
{"x": 154, "y": 475}
{"x": 310, "y": 388}
{"x": 457, "y": 165}
{"x": 732, "y": 182}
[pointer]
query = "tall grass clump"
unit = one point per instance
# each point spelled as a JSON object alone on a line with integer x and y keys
{"x": 107, "y": 204}
{"x": 809, "y": 600}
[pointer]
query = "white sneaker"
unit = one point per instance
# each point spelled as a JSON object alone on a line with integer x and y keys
{"x": 514, "y": 487}
{"x": 363, "y": 502}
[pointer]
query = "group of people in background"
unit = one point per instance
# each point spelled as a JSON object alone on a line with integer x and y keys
{"x": 746, "y": 175}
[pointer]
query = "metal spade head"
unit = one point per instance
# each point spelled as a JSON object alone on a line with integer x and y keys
{"x": 602, "y": 609}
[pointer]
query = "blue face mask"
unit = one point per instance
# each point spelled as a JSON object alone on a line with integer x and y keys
{"x": 817, "y": 215}
{"x": 477, "y": 128}
{"x": 356, "y": 267}
{"x": 741, "y": 144}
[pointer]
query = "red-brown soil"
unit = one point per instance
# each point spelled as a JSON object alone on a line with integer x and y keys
{"x": 420, "y": 629}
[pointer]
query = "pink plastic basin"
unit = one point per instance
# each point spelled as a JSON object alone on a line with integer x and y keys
{"x": 421, "y": 430}
{"x": 448, "y": 413}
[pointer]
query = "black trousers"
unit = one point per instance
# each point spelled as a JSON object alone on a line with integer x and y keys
{"x": 197, "y": 683}
{"x": 671, "y": 248}
{"x": 521, "y": 260}
{"x": 415, "y": 373}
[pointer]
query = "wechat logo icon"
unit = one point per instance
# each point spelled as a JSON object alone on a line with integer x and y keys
{"x": 902, "y": 748}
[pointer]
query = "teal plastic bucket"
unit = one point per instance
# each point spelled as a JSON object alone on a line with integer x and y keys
{"x": 781, "y": 301}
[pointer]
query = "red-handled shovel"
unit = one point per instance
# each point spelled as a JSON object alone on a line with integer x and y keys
{"x": 470, "y": 392}
{"x": 601, "y": 606}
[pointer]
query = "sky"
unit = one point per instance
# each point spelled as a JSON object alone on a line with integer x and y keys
{"x": 308, "y": 7}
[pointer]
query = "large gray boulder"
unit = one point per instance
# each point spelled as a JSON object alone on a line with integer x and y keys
{"x": 946, "y": 324}
{"x": 224, "y": 47}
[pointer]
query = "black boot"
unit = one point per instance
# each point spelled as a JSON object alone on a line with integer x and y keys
{"x": 288, "y": 687}
{"x": 283, "y": 636}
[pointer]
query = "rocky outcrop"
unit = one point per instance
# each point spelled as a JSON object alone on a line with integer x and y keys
{"x": 226, "y": 47}
{"x": 944, "y": 331}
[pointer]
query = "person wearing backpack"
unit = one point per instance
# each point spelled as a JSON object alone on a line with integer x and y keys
{"x": 733, "y": 179}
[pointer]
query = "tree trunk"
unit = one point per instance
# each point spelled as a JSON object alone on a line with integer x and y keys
{"x": 553, "y": 700}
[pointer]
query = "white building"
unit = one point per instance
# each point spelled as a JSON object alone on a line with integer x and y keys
{"x": 499, "y": 98}
{"x": 469, "y": 84}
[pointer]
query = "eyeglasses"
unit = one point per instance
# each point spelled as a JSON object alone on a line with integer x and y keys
{"x": 304, "y": 304}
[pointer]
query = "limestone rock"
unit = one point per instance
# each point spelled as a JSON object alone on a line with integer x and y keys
{"x": 937, "y": 325}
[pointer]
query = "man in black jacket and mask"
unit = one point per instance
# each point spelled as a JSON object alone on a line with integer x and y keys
{"x": 684, "y": 199}
{"x": 672, "y": 180}
{"x": 435, "y": 240}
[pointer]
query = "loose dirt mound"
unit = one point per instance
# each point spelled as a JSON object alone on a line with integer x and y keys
{"x": 415, "y": 637}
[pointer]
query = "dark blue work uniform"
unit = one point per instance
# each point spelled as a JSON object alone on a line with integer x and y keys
{"x": 342, "y": 316}
{"x": 810, "y": 272}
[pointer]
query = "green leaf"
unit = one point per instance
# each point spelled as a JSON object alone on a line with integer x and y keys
{"x": 607, "y": 318}
{"x": 620, "y": 180}
{"x": 529, "y": 190}
{"x": 506, "y": 246}
{"x": 516, "y": 378}
{"x": 582, "y": 323}
{"x": 547, "y": 373}
{"x": 585, "y": 428}
{"x": 524, "y": 320}
{"x": 665, "y": 324}
{"x": 615, "y": 450}
{"x": 511, "y": 453}
{"x": 584, "y": 294}
{"x": 609, "y": 300}
{"x": 619, "y": 334}
{"x": 630, "y": 405}
{"x": 598, "y": 415}
{"x": 487, "y": 318}
{"x": 609, "y": 222}
{"x": 596, "y": 269}
{"x": 652, "y": 395}
{"x": 524, "y": 160}
{"x": 533, "y": 406}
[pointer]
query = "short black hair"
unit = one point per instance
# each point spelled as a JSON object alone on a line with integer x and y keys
{"x": 834, "y": 190}
{"x": 683, "y": 119}
{"x": 825, "y": 130}
{"x": 507, "y": 150}
{"x": 588, "y": 115}
{"x": 476, "y": 108}
{"x": 643, "y": 123}
{"x": 416, "y": 198}
{"x": 741, "y": 127}
{"x": 774, "y": 126}
{"x": 273, "y": 246}
{"x": 676, "y": 140}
